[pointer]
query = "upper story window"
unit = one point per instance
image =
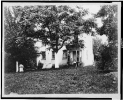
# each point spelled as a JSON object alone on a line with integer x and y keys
{"x": 43, "y": 55}
{"x": 64, "y": 54}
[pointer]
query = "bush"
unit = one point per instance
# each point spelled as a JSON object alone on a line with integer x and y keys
{"x": 107, "y": 58}
{"x": 40, "y": 65}
{"x": 9, "y": 63}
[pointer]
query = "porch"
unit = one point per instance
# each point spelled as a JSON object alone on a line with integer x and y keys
{"x": 75, "y": 56}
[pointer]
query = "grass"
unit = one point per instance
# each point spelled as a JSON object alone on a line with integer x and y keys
{"x": 61, "y": 81}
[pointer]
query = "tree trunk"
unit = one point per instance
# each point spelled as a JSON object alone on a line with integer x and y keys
{"x": 56, "y": 60}
{"x": 56, "y": 53}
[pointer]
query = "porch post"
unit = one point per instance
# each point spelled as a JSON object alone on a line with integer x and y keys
{"x": 80, "y": 56}
{"x": 76, "y": 55}
{"x": 76, "y": 59}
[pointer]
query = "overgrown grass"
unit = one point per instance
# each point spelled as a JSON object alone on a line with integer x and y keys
{"x": 68, "y": 81}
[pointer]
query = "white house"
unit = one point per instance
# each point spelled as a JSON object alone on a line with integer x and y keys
{"x": 83, "y": 55}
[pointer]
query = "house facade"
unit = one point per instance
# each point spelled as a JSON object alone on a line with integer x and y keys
{"x": 71, "y": 55}
{"x": 47, "y": 57}
{"x": 83, "y": 55}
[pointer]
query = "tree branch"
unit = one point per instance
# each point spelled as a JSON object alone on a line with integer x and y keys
{"x": 49, "y": 30}
{"x": 62, "y": 44}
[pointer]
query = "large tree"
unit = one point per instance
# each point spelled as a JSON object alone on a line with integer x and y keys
{"x": 54, "y": 25}
{"x": 18, "y": 47}
{"x": 109, "y": 16}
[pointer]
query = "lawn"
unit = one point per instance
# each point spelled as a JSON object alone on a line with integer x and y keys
{"x": 61, "y": 81}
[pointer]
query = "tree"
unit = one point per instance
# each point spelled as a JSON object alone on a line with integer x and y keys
{"x": 18, "y": 47}
{"x": 54, "y": 25}
{"x": 97, "y": 43}
{"x": 108, "y": 13}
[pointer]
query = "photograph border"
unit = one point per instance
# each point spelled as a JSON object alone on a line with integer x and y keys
{"x": 63, "y": 95}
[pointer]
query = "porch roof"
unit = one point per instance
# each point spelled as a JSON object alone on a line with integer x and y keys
{"x": 73, "y": 47}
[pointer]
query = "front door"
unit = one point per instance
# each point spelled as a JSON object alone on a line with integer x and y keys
{"x": 76, "y": 56}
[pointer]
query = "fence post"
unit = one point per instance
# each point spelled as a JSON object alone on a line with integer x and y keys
{"x": 16, "y": 66}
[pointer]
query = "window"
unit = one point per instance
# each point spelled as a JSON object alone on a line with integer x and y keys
{"x": 53, "y": 55}
{"x": 64, "y": 54}
{"x": 43, "y": 55}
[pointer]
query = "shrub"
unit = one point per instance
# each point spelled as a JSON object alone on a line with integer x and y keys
{"x": 107, "y": 58}
{"x": 9, "y": 63}
{"x": 40, "y": 65}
